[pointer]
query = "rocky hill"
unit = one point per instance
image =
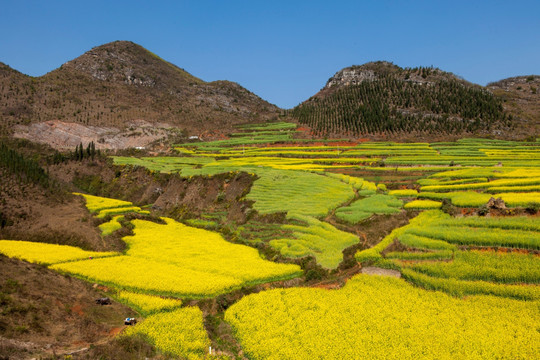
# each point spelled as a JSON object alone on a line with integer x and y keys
{"x": 121, "y": 87}
{"x": 385, "y": 100}
{"x": 521, "y": 97}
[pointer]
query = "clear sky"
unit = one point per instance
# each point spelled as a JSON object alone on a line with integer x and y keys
{"x": 283, "y": 51}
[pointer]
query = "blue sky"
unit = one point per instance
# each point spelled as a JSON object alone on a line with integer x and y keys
{"x": 283, "y": 51}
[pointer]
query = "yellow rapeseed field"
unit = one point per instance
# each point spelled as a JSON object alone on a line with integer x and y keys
{"x": 180, "y": 332}
{"x": 96, "y": 203}
{"x": 179, "y": 260}
{"x": 42, "y": 253}
{"x": 101, "y": 206}
{"x": 376, "y": 317}
{"x": 148, "y": 304}
{"x": 111, "y": 226}
{"x": 423, "y": 204}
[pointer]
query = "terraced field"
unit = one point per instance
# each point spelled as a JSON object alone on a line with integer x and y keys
{"x": 470, "y": 256}
{"x": 470, "y": 285}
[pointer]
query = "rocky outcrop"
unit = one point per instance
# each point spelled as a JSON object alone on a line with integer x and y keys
{"x": 351, "y": 76}
{"x": 129, "y": 63}
{"x": 496, "y": 203}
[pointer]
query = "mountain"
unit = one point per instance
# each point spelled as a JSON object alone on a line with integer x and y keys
{"x": 380, "y": 98}
{"x": 117, "y": 86}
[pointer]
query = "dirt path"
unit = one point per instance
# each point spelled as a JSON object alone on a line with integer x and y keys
{"x": 372, "y": 270}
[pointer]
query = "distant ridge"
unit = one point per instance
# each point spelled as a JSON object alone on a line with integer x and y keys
{"x": 122, "y": 95}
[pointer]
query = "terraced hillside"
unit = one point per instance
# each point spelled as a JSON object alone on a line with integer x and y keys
{"x": 261, "y": 246}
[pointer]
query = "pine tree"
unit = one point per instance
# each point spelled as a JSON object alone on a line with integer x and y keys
{"x": 81, "y": 152}
{"x": 93, "y": 150}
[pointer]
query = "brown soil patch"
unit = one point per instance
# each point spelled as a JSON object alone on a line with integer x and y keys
{"x": 189, "y": 198}
{"x": 77, "y": 309}
{"x": 371, "y": 231}
{"x": 116, "y": 330}
{"x": 371, "y": 270}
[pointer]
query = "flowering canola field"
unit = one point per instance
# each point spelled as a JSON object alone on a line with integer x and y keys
{"x": 317, "y": 238}
{"x": 101, "y": 206}
{"x": 376, "y": 317}
{"x": 111, "y": 226}
{"x": 148, "y": 304}
{"x": 45, "y": 254}
{"x": 179, "y": 332}
{"x": 434, "y": 235}
{"x": 325, "y": 205}
{"x": 181, "y": 261}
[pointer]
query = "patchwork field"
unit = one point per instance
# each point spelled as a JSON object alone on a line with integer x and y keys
{"x": 457, "y": 220}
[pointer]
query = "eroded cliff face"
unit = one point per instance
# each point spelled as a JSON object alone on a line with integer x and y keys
{"x": 64, "y": 135}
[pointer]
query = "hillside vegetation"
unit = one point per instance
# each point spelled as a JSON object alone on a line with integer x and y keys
{"x": 521, "y": 98}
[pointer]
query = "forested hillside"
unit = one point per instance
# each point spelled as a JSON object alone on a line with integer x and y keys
{"x": 382, "y": 98}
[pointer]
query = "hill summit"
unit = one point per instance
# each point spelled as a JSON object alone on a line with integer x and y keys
{"x": 129, "y": 63}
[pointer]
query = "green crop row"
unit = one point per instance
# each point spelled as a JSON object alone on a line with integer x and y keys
{"x": 461, "y": 198}
{"x": 494, "y": 267}
{"x": 519, "y": 223}
{"x": 422, "y": 242}
{"x": 462, "y": 287}
{"x": 490, "y": 172}
{"x": 503, "y": 189}
{"x": 484, "y": 185}
{"x": 425, "y": 255}
{"x": 480, "y": 236}
{"x": 364, "y": 208}
{"x": 423, "y": 205}
{"x": 404, "y": 193}
{"x": 448, "y": 181}
{"x": 269, "y": 126}
{"x": 316, "y": 238}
